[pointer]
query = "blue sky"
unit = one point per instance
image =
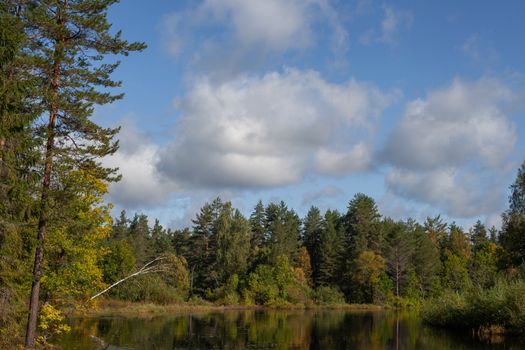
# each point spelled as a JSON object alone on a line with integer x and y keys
{"x": 417, "y": 104}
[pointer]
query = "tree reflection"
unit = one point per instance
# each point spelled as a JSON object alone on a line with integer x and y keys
{"x": 271, "y": 329}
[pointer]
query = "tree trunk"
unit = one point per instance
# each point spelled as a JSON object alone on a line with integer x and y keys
{"x": 42, "y": 224}
{"x": 44, "y": 207}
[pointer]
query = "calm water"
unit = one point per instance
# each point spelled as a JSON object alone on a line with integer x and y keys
{"x": 273, "y": 330}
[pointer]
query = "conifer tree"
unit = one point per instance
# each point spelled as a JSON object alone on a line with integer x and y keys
{"x": 69, "y": 41}
{"x": 478, "y": 236}
{"x": 257, "y": 226}
{"x": 283, "y": 226}
{"x": 330, "y": 250}
{"x": 312, "y": 226}
{"x": 512, "y": 235}
{"x": 399, "y": 254}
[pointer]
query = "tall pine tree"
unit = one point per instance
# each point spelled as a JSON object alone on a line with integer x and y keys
{"x": 69, "y": 41}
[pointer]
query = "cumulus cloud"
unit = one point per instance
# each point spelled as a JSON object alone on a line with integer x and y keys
{"x": 463, "y": 123}
{"x": 225, "y": 37}
{"x": 458, "y": 192}
{"x": 271, "y": 130}
{"x": 141, "y": 185}
{"x": 450, "y": 149}
{"x": 275, "y": 24}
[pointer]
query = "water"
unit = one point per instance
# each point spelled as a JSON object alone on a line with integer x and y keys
{"x": 256, "y": 329}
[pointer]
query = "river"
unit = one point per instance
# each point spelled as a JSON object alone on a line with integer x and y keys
{"x": 273, "y": 329}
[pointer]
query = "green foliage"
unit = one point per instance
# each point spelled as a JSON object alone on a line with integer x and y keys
{"x": 312, "y": 230}
{"x": 220, "y": 245}
{"x": 276, "y": 284}
{"x": 512, "y": 236}
{"x": 171, "y": 285}
{"x": 325, "y": 295}
{"x": 330, "y": 249}
{"x": 262, "y": 285}
{"x": 368, "y": 275}
{"x": 283, "y": 229}
{"x": 480, "y": 309}
{"x": 118, "y": 261}
{"x": 362, "y": 225}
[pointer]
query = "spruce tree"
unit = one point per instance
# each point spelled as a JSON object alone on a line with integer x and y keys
{"x": 330, "y": 250}
{"x": 312, "y": 227}
{"x": 478, "y": 236}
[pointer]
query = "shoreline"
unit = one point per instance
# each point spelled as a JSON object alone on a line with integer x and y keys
{"x": 109, "y": 308}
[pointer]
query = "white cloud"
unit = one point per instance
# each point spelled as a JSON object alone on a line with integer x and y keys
{"x": 452, "y": 149}
{"x": 275, "y": 24}
{"x": 455, "y": 191}
{"x": 271, "y": 130}
{"x": 225, "y": 37}
{"x": 141, "y": 185}
{"x": 463, "y": 123}
{"x": 358, "y": 158}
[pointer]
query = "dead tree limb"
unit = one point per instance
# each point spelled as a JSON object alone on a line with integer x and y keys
{"x": 148, "y": 268}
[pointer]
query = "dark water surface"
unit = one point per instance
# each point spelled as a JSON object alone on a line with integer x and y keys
{"x": 251, "y": 329}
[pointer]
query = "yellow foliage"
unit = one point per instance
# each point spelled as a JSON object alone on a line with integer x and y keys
{"x": 51, "y": 322}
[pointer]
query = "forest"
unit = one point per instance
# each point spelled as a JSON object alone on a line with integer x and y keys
{"x": 60, "y": 246}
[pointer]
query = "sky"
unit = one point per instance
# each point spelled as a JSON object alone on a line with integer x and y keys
{"x": 417, "y": 104}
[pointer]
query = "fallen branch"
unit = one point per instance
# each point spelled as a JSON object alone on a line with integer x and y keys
{"x": 148, "y": 268}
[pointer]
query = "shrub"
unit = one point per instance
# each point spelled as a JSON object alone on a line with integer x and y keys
{"x": 499, "y": 307}
{"x": 325, "y": 295}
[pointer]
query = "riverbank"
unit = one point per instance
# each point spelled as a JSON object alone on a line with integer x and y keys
{"x": 496, "y": 310}
{"x": 111, "y": 307}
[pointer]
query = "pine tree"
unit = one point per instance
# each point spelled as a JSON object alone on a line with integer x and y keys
{"x": 69, "y": 41}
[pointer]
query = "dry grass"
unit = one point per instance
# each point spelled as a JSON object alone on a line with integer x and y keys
{"x": 108, "y": 307}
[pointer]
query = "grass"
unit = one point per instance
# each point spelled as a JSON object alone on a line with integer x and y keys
{"x": 111, "y": 307}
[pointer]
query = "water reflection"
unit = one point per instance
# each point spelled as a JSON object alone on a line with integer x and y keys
{"x": 250, "y": 329}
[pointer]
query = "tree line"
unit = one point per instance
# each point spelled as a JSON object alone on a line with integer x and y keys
{"x": 275, "y": 257}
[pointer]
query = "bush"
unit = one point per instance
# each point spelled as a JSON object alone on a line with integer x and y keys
{"x": 499, "y": 307}
{"x": 149, "y": 288}
{"x": 325, "y": 295}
